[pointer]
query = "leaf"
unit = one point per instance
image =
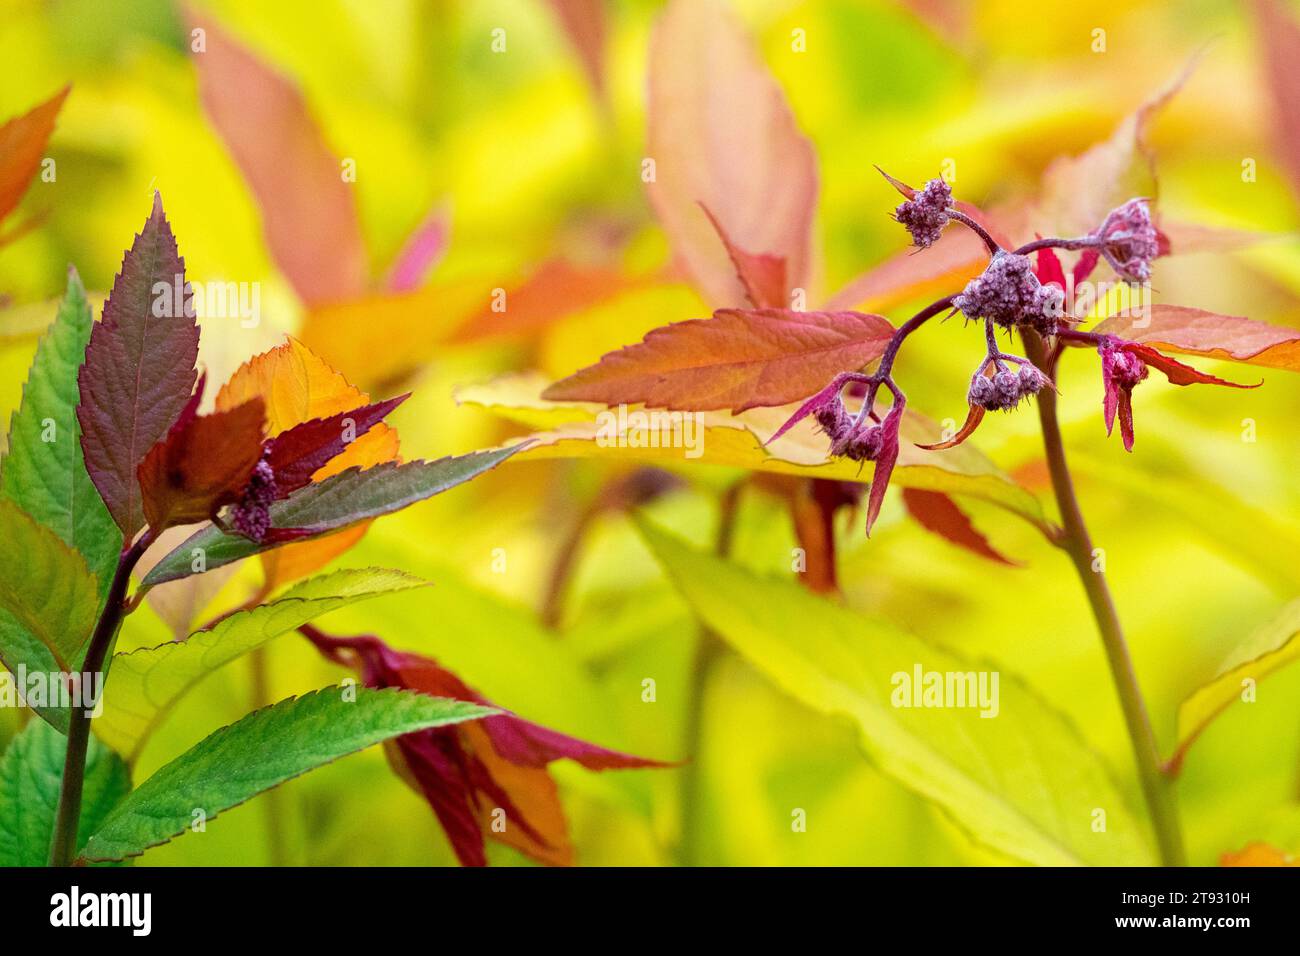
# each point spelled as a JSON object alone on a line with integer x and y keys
{"x": 309, "y": 214}
{"x": 1078, "y": 192}
{"x": 584, "y": 22}
{"x": 337, "y": 502}
{"x": 742, "y": 441}
{"x": 297, "y": 387}
{"x": 295, "y": 455}
{"x": 738, "y": 359}
{"x": 761, "y": 275}
{"x": 22, "y": 145}
{"x": 938, "y": 513}
{"x": 263, "y": 750}
{"x": 1024, "y": 783}
{"x": 1259, "y": 854}
{"x": 1177, "y": 328}
{"x": 139, "y": 370}
{"x": 949, "y": 264}
{"x": 31, "y": 774}
{"x": 1269, "y": 649}
{"x": 202, "y": 465}
{"x": 46, "y": 588}
{"x": 1279, "y": 40}
{"x": 146, "y": 682}
{"x": 423, "y": 250}
{"x": 555, "y": 290}
{"x": 721, "y": 133}
{"x": 43, "y": 471}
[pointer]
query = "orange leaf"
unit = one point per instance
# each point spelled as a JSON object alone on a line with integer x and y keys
{"x": 22, "y": 143}
{"x": 297, "y": 386}
{"x": 1177, "y": 328}
{"x": 761, "y": 275}
{"x": 202, "y": 464}
{"x": 721, "y": 133}
{"x": 309, "y": 215}
{"x": 937, "y": 512}
{"x": 738, "y": 359}
{"x": 1259, "y": 854}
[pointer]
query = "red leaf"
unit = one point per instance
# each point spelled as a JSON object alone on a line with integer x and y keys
{"x": 202, "y": 465}
{"x": 1279, "y": 36}
{"x": 299, "y": 452}
{"x": 973, "y": 419}
{"x": 22, "y": 146}
{"x": 465, "y": 772}
{"x": 139, "y": 370}
{"x": 1176, "y": 328}
{"x": 761, "y": 275}
{"x": 1177, "y": 372}
{"x": 938, "y": 513}
{"x": 720, "y": 133}
{"x": 1048, "y": 268}
{"x": 885, "y": 460}
{"x": 739, "y": 359}
{"x": 308, "y": 212}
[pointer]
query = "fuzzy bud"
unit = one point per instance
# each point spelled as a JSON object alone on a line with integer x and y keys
{"x": 1009, "y": 293}
{"x": 982, "y": 392}
{"x": 1032, "y": 381}
{"x": 865, "y": 445}
{"x": 251, "y": 516}
{"x": 926, "y": 213}
{"x": 834, "y": 419}
{"x": 1130, "y": 240}
{"x": 1127, "y": 369}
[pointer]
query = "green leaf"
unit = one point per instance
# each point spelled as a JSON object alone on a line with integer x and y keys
{"x": 1270, "y": 648}
{"x": 341, "y": 500}
{"x": 263, "y": 750}
{"x": 43, "y": 471}
{"x": 148, "y": 681}
{"x": 1023, "y": 781}
{"x": 45, "y": 589}
{"x": 31, "y": 773}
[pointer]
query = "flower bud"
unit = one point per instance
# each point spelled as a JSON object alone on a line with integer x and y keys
{"x": 865, "y": 445}
{"x": 1009, "y": 293}
{"x": 1032, "y": 380}
{"x": 926, "y": 213}
{"x": 982, "y": 392}
{"x": 1130, "y": 240}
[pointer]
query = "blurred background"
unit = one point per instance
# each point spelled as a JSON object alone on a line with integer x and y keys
{"x": 527, "y": 162}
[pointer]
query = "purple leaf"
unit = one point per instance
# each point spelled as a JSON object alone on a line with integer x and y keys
{"x": 139, "y": 370}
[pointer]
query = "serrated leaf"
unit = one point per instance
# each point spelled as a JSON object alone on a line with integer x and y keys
{"x": 298, "y": 386}
{"x": 1177, "y": 328}
{"x": 203, "y": 463}
{"x": 43, "y": 471}
{"x": 1024, "y": 782}
{"x": 45, "y": 587}
{"x": 31, "y": 773}
{"x": 741, "y": 441}
{"x": 22, "y": 145}
{"x": 263, "y": 750}
{"x": 337, "y": 502}
{"x": 739, "y": 359}
{"x": 148, "y": 681}
{"x": 139, "y": 371}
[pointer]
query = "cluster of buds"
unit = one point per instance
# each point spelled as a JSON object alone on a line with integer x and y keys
{"x": 1009, "y": 294}
{"x": 1004, "y": 389}
{"x": 1128, "y": 240}
{"x": 925, "y": 213}
{"x": 251, "y": 515}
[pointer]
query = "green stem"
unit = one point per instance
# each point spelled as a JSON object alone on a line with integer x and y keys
{"x": 708, "y": 649}
{"x": 273, "y": 801}
{"x": 63, "y": 846}
{"x": 1157, "y": 787}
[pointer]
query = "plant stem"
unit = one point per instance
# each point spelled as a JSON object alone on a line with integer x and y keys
{"x": 1156, "y": 786}
{"x": 708, "y": 649}
{"x": 63, "y": 847}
